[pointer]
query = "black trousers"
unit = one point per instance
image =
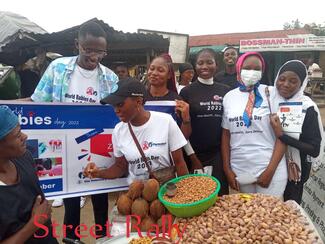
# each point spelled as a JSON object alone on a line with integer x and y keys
{"x": 72, "y": 213}
{"x": 48, "y": 239}
{"x": 215, "y": 161}
{"x": 294, "y": 190}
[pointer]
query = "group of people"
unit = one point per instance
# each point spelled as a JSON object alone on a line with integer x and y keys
{"x": 260, "y": 152}
{"x": 226, "y": 125}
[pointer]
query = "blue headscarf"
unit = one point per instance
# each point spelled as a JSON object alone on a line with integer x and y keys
{"x": 8, "y": 121}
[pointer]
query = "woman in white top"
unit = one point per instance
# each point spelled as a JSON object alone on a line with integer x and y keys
{"x": 157, "y": 133}
{"x": 252, "y": 156}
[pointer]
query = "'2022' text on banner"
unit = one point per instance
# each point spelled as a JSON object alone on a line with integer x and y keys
{"x": 63, "y": 138}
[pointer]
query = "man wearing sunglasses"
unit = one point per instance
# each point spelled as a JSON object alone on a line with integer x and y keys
{"x": 80, "y": 79}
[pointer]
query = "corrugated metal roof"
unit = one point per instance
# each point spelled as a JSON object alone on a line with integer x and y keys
{"x": 195, "y": 50}
{"x": 15, "y": 26}
{"x": 62, "y": 42}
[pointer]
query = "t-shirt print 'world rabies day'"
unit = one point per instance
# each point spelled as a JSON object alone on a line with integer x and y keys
{"x": 158, "y": 137}
{"x": 206, "y": 115}
{"x": 83, "y": 87}
{"x": 252, "y": 147}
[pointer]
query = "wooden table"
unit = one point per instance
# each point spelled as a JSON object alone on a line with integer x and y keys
{"x": 316, "y": 86}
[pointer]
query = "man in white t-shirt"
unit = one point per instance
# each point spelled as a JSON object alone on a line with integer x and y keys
{"x": 80, "y": 79}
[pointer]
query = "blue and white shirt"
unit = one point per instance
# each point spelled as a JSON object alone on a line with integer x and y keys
{"x": 54, "y": 83}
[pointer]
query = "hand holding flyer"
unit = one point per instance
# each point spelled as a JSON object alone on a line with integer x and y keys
{"x": 291, "y": 116}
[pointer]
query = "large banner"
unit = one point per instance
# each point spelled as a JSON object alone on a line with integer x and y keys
{"x": 313, "y": 200}
{"x": 64, "y": 138}
{"x": 310, "y": 43}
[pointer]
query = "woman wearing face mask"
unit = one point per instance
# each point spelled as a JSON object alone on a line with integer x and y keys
{"x": 303, "y": 140}
{"x": 252, "y": 156}
{"x": 205, "y": 100}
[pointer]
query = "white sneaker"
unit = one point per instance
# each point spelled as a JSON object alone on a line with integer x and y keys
{"x": 82, "y": 201}
{"x": 58, "y": 202}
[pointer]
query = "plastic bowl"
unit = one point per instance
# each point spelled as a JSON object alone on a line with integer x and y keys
{"x": 189, "y": 209}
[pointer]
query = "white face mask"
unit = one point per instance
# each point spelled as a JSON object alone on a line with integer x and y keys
{"x": 250, "y": 77}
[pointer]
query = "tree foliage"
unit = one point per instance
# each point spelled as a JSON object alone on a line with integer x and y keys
{"x": 294, "y": 24}
{"x": 314, "y": 28}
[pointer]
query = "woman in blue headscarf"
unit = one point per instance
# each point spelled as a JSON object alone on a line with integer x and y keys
{"x": 252, "y": 156}
{"x": 22, "y": 202}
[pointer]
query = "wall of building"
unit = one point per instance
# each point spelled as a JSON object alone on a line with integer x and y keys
{"x": 178, "y": 44}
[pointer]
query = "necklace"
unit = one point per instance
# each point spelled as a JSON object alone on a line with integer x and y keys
{"x": 88, "y": 74}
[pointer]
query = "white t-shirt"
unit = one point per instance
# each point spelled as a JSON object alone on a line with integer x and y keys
{"x": 83, "y": 86}
{"x": 158, "y": 137}
{"x": 179, "y": 87}
{"x": 250, "y": 148}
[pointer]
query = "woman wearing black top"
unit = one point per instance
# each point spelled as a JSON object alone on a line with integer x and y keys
{"x": 289, "y": 87}
{"x": 161, "y": 77}
{"x": 205, "y": 99}
{"x": 162, "y": 87}
{"x": 22, "y": 201}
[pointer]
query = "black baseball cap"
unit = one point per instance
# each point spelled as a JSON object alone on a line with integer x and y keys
{"x": 128, "y": 87}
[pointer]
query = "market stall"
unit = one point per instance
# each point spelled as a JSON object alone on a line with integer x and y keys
{"x": 136, "y": 48}
{"x": 203, "y": 217}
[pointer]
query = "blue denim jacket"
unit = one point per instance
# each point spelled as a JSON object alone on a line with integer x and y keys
{"x": 55, "y": 81}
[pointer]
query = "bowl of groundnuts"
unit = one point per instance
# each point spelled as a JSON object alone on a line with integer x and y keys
{"x": 194, "y": 194}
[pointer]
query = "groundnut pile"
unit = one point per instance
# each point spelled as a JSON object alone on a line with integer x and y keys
{"x": 248, "y": 219}
{"x": 141, "y": 240}
{"x": 192, "y": 189}
{"x": 148, "y": 240}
